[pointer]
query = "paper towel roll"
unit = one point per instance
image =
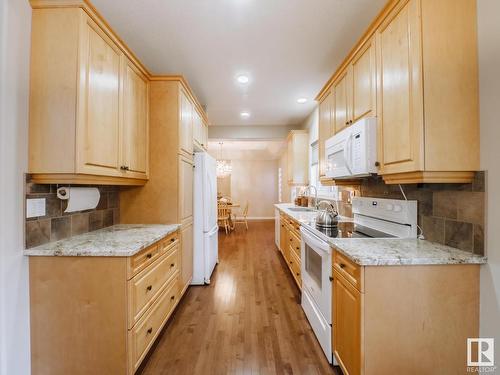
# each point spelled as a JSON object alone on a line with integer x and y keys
{"x": 79, "y": 198}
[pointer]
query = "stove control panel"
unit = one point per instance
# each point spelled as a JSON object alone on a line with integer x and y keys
{"x": 395, "y": 210}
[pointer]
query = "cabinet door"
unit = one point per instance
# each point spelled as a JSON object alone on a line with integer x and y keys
{"x": 186, "y": 256}
{"x": 289, "y": 155}
{"x": 135, "y": 121}
{"x": 186, "y": 123}
{"x": 325, "y": 129}
{"x": 341, "y": 107}
{"x": 364, "y": 82}
{"x": 185, "y": 188}
{"x": 347, "y": 325}
{"x": 100, "y": 103}
{"x": 197, "y": 128}
{"x": 400, "y": 96}
{"x": 283, "y": 235}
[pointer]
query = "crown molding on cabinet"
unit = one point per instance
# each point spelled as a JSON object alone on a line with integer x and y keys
{"x": 94, "y": 14}
{"x": 370, "y": 31}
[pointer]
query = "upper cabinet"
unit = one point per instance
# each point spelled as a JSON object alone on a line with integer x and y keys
{"x": 186, "y": 123}
{"x": 297, "y": 157}
{"x": 200, "y": 132}
{"x": 326, "y": 128}
{"x": 88, "y": 102}
{"x": 415, "y": 69}
{"x": 135, "y": 120}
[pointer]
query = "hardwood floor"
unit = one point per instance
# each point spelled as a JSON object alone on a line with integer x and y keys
{"x": 247, "y": 321}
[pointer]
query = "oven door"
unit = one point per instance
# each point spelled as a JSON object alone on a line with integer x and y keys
{"x": 338, "y": 150}
{"x": 316, "y": 271}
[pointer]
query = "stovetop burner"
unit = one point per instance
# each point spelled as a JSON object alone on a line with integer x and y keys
{"x": 345, "y": 229}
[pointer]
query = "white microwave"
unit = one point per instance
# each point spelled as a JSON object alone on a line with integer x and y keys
{"x": 353, "y": 151}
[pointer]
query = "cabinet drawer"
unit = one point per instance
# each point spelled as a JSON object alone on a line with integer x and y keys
{"x": 142, "y": 336}
{"x": 294, "y": 244}
{"x": 295, "y": 268}
{"x": 141, "y": 260}
{"x": 351, "y": 271}
{"x": 294, "y": 226}
{"x": 145, "y": 287}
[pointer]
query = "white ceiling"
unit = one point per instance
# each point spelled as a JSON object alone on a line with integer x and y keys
{"x": 289, "y": 48}
{"x": 247, "y": 150}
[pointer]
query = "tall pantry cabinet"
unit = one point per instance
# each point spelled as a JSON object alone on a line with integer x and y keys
{"x": 168, "y": 195}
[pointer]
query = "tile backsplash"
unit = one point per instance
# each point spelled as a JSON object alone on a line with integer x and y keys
{"x": 450, "y": 214}
{"x": 56, "y": 224}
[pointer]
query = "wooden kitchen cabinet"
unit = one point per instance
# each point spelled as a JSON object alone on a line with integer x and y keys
{"x": 364, "y": 83}
{"x": 341, "y": 107}
{"x": 438, "y": 141}
{"x": 326, "y": 128}
{"x": 347, "y": 324}
{"x": 298, "y": 157}
{"x": 88, "y": 111}
{"x": 290, "y": 240}
{"x": 186, "y": 172}
{"x": 407, "y": 45}
{"x": 101, "y": 314}
{"x": 200, "y": 132}
{"x": 135, "y": 121}
{"x": 186, "y": 123}
{"x": 379, "y": 318}
{"x": 187, "y": 256}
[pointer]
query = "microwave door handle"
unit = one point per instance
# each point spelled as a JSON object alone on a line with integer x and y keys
{"x": 347, "y": 154}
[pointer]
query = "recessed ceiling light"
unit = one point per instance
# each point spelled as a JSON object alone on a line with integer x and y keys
{"x": 245, "y": 114}
{"x": 243, "y": 79}
{"x": 301, "y": 100}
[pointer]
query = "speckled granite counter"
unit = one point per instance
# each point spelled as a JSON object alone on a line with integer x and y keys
{"x": 117, "y": 240}
{"x": 304, "y": 216}
{"x": 394, "y": 251}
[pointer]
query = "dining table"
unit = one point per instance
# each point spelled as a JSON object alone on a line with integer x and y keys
{"x": 231, "y": 205}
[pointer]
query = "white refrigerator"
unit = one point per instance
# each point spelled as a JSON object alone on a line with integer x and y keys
{"x": 205, "y": 229}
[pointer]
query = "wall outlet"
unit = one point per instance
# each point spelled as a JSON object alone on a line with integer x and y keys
{"x": 35, "y": 207}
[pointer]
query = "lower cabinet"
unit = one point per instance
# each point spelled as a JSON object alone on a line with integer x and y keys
{"x": 347, "y": 327}
{"x": 412, "y": 319}
{"x": 187, "y": 256}
{"x": 101, "y": 315}
{"x": 290, "y": 245}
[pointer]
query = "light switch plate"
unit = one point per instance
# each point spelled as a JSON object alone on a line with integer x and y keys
{"x": 35, "y": 207}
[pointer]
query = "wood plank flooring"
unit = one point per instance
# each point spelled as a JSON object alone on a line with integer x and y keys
{"x": 247, "y": 321}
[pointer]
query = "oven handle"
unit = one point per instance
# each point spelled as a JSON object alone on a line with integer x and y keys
{"x": 314, "y": 242}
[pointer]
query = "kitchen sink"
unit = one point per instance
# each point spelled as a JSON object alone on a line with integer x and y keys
{"x": 302, "y": 209}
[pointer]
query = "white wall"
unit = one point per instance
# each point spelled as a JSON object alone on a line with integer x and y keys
{"x": 14, "y": 78}
{"x": 255, "y": 181}
{"x": 489, "y": 85}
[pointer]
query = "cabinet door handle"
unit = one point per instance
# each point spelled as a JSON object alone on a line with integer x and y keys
{"x": 298, "y": 248}
{"x": 377, "y": 164}
{"x": 172, "y": 239}
{"x": 123, "y": 168}
{"x": 342, "y": 265}
{"x": 350, "y": 121}
{"x": 172, "y": 298}
{"x": 149, "y": 288}
{"x": 172, "y": 264}
{"x": 149, "y": 256}
{"x": 150, "y": 330}
{"x": 331, "y": 278}
{"x": 347, "y": 122}
{"x": 298, "y": 274}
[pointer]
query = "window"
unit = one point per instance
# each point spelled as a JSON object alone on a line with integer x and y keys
{"x": 323, "y": 191}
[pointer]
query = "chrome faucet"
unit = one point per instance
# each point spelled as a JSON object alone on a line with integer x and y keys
{"x": 308, "y": 189}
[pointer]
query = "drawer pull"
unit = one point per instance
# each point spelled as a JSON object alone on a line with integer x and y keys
{"x": 291, "y": 262}
{"x": 172, "y": 239}
{"x": 291, "y": 239}
{"x": 149, "y": 288}
{"x": 172, "y": 264}
{"x": 150, "y": 330}
{"x": 172, "y": 298}
{"x": 298, "y": 274}
{"x": 331, "y": 278}
{"x": 298, "y": 248}
{"x": 149, "y": 256}
{"x": 342, "y": 265}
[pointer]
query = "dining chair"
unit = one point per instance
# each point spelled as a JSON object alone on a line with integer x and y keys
{"x": 243, "y": 217}
{"x": 223, "y": 213}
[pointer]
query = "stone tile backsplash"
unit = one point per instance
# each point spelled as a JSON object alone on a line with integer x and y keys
{"x": 450, "y": 214}
{"x": 57, "y": 225}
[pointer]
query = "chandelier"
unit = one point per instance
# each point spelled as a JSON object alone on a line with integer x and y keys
{"x": 224, "y": 167}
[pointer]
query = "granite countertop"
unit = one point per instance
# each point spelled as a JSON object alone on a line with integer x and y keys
{"x": 304, "y": 217}
{"x": 401, "y": 251}
{"x": 117, "y": 240}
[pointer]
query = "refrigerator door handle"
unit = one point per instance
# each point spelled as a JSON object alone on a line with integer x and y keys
{"x": 213, "y": 231}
